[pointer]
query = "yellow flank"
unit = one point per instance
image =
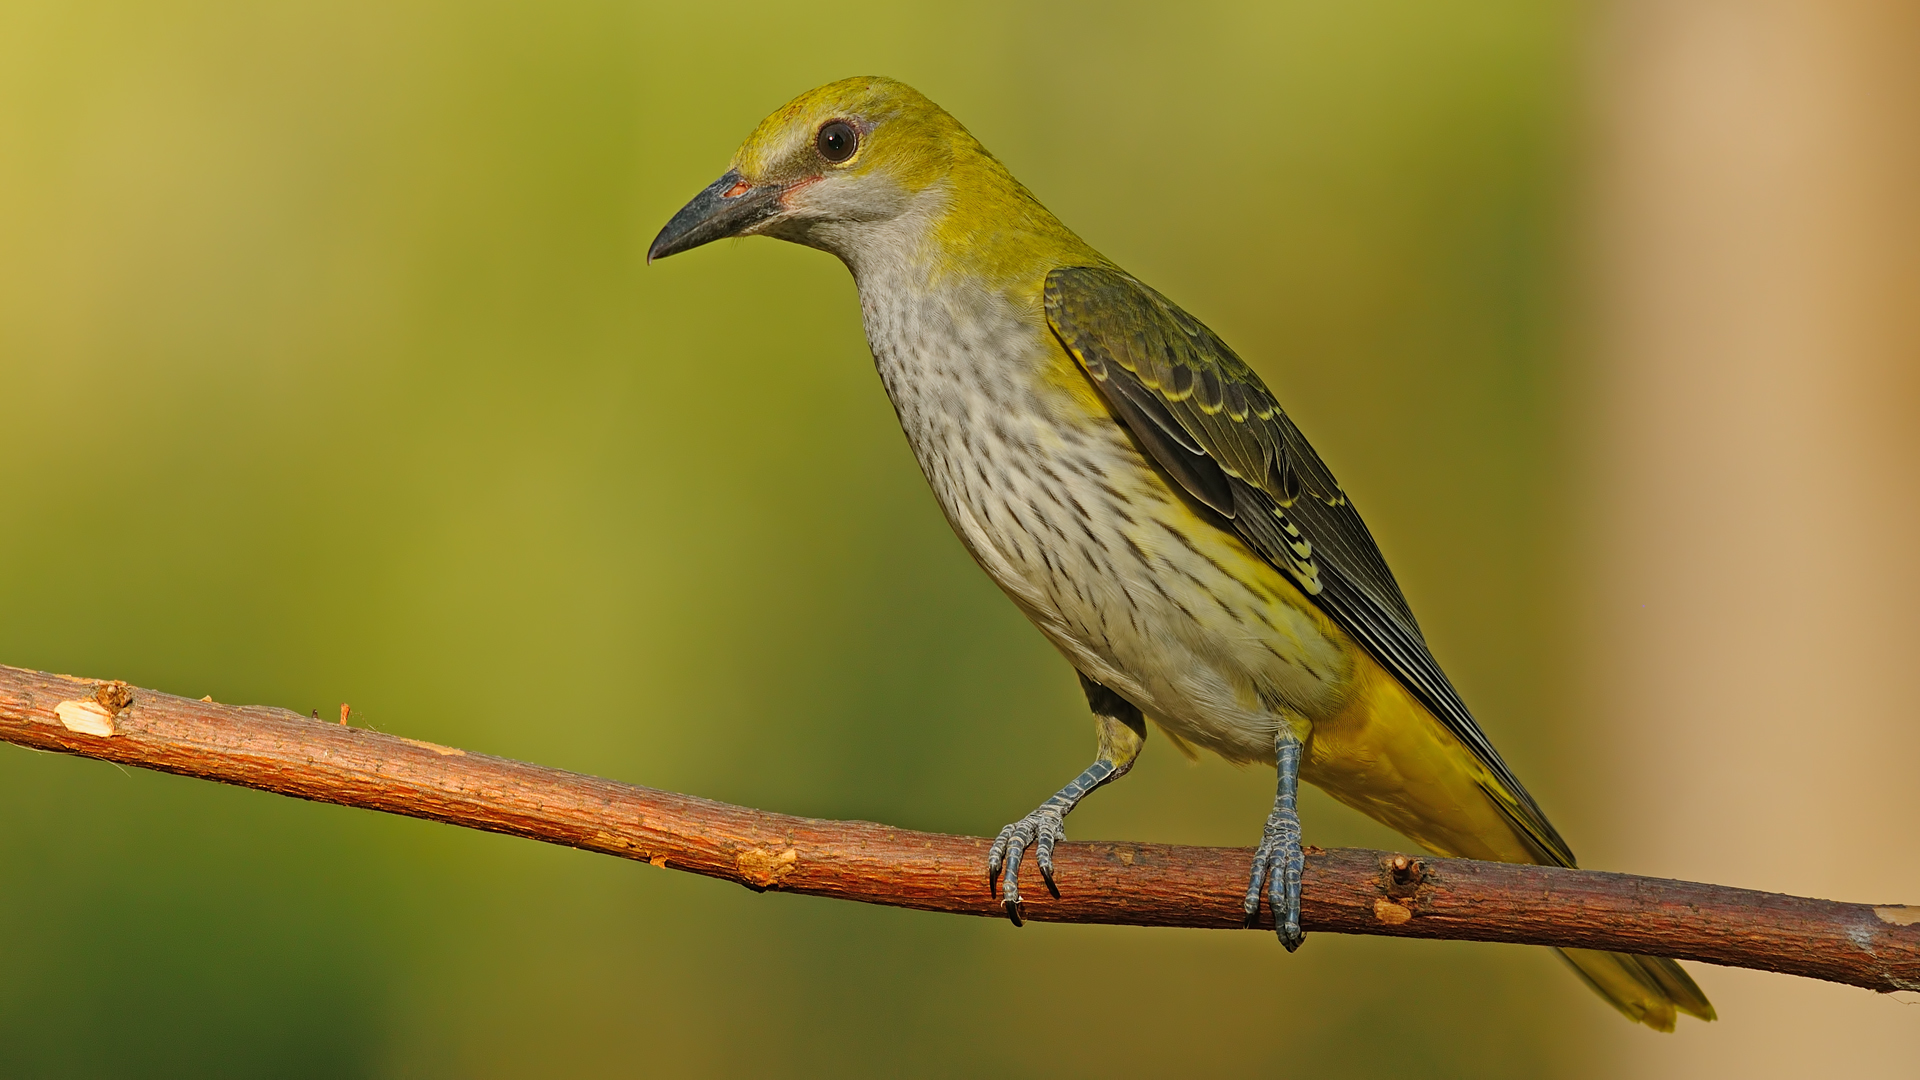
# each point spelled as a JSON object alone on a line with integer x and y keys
{"x": 1386, "y": 756}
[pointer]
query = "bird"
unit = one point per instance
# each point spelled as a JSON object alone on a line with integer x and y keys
{"x": 1140, "y": 495}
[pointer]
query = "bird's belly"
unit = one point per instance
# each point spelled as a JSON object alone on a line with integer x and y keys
{"x": 1060, "y": 508}
{"x": 1136, "y": 588}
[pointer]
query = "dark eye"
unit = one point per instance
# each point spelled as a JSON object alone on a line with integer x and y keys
{"x": 837, "y": 141}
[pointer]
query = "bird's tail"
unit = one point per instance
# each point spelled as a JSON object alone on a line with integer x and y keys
{"x": 1646, "y": 989}
{"x": 1441, "y": 813}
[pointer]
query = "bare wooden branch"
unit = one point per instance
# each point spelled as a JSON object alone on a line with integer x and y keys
{"x": 1348, "y": 891}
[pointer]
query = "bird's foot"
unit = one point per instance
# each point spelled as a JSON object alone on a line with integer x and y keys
{"x": 1277, "y": 864}
{"x": 1039, "y": 830}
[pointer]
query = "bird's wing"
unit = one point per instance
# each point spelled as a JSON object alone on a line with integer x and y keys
{"x": 1203, "y": 415}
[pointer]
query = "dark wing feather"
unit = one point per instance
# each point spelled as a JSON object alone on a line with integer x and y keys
{"x": 1203, "y": 415}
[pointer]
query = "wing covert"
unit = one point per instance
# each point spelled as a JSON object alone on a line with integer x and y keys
{"x": 1206, "y": 418}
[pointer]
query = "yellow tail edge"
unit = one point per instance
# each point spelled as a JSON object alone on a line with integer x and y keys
{"x": 1646, "y": 989}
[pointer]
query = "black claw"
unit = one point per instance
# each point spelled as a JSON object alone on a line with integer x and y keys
{"x": 1043, "y": 855}
{"x": 1013, "y": 911}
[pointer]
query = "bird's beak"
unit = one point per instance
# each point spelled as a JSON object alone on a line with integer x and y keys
{"x": 730, "y": 206}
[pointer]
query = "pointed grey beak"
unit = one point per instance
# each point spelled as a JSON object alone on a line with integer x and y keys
{"x": 728, "y": 207}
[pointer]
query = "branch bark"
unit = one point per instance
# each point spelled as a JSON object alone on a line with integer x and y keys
{"x": 1347, "y": 891}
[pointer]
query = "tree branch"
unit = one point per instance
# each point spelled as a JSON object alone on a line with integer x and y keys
{"x": 1348, "y": 891}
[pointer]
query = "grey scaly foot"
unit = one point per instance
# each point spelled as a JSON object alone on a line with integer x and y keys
{"x": 1122, "y": 731}
{"x": 1039, "y": 830}
{"x": 1278, "y": 861}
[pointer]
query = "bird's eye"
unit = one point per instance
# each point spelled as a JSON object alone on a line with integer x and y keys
{"x": 837, "y": 141}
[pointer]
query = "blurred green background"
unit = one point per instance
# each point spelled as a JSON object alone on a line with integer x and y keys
{"x": 331, "y": 371}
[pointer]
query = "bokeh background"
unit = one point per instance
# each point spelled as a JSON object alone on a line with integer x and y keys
{"x": 331, "y": 371}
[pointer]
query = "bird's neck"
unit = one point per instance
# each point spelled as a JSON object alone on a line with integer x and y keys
{"x": 952, "y": 294}
{"x": 976, "y": 227}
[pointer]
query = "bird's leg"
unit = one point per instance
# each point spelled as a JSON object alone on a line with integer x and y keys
{"x": 1278, "y": 860}
{"x": 1123, "y": 731}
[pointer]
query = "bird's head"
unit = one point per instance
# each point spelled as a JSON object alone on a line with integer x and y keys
{"x": 826, "y": 168}
{"x": 873, "y": 172}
